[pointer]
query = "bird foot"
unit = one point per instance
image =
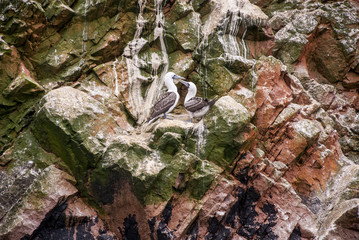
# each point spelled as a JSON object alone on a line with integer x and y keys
{"x": 165, "y": 117}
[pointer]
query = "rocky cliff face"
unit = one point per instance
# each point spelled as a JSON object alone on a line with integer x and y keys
{"x": 277, "y": 156}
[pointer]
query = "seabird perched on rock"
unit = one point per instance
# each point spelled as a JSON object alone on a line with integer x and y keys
{"x": 196, "y": 106}
{"x": 167, "y": 101}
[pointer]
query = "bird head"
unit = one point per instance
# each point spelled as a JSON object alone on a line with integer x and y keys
{"x": 169, "y": 77}
{"x": 190, "y": 85}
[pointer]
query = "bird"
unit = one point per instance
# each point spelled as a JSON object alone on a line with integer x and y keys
{"x": 196, "y": 107}
{"x": 167, "y": 101}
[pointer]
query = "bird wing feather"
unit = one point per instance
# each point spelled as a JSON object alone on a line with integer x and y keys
{"x": 164, "y": 103}
{"x": 195, "y": 104}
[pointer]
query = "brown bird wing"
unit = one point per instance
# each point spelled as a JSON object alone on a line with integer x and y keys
{"x": 164, "y": 103}
{"x": 195, "y": 103}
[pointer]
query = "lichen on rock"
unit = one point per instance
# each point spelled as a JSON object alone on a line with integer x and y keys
{"x": 276, "y": 157}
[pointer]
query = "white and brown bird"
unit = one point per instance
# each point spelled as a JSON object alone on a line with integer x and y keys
{"x": 196, "y": 107}
{"x": 167, "y": 101}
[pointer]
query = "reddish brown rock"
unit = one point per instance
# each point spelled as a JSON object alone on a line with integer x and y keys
{"x": 326, "y": 57}
{"x": 287, "y": 176}
{"x": 47, "y": 191}
{"x": 351, "y": 80}
{"x": 271, "y": 94}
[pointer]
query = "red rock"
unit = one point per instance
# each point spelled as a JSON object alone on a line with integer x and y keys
{"x": 54, "y": 186}
{"x": 326, "y": 58}
{"x": 272, "y": 93}
{"x": 351, "y": 80}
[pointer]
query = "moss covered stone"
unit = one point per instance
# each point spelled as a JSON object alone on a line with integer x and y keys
{"x": 4, "y": 47}
{"x": 27, "y": 149}
{"x": 218, "y": 77}
{"x": 289, "y": 44}
{"x": 169, "y": 143}
{"x": 181, "y": 63}
{"x": 91, "y": 10}
{"x": 75, "y": 127}
{"x": 171, "y": 43}
{"x": 202, "y": 178}
{"x": 18, "y": 99}
{"x": 151, "y": 173}
{"x": 154, "y": 174}
{"x": 22, "y": 88}
{"x": 180, "y": 128}
{"x": 175, "y": 126}
{"x": 197, "y": 4}
{"x": 186, "y": 30}
{"x": 179, "y": 10}
{"x": 224, "y": 122}
{"x": 58, "y": 13}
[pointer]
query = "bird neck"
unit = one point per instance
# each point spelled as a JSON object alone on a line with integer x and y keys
{"x": 191, "y": 93}
{"x": 170, "y": 85}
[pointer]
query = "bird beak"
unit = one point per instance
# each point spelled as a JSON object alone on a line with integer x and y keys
{"x": 184, "y": 83}
{"x": 178, "y": 77}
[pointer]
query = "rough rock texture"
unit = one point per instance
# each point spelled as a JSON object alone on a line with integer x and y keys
{"x": 276, "y": 157}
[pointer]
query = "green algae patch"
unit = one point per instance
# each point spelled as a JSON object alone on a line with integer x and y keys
{"x": 18, "y": 99}
{"x": 26, "y": 148}
{"x": 197, "y": 4}
{"x": 224, "y": 123}
{"x": 4, "y": 47}
{"x": 186, "y": 31}
{"x": 154, "y": 174}
{"x": 219, "y": 78}
{"x": 75, "y": 127}
{"x": 205, "y": 173}
{"x": 181, "y": 63}
{"x": 52, "y": 137}
{"x": 130, "y": 159}
{"x": 21, "y": 88}
{"x": 180, "y": 9}
{"x": 179, "y": 127}
{"x": 169, "y": 143}
{"x": 183, "y": 131}
{"x": 15, "y": 119}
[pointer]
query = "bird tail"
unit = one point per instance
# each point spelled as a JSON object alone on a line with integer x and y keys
{"x": 151, "y": 119}
{"x": 212, "y": 101}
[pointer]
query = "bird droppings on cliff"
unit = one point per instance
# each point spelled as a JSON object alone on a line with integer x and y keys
{"x": 78, "y": 160}
{"x": 167, "y": 101}
{"x": 196, "y": 107}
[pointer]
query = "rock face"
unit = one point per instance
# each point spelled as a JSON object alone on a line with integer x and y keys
{"x": 276, "y": 157}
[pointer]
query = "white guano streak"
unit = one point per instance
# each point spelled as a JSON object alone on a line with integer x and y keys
{"x": 154, "y": 90}
{"x": 141, "y": 106}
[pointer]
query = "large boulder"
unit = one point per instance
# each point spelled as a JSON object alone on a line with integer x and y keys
{"x": 43, "y": 191}
{"x": 186, "y": 31}
{"x": 224, "y": 122}
{"x": 75, "y": 127}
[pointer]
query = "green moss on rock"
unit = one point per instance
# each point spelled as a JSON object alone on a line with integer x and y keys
{"x": 205, "y": 173}
{"x": 186, "y": 30}
{"x": 197, "y": 4}
{"x": 169, "y": 143}
{"x": 181, "y": 63}
{"x": 153, "y": 174}
{"x": 179, "y": 10}
{"x": 75, "y": 127}
{"x": 224, "y": 122}
{"x": 22, "y": 88}
{"x": 26, "y": 148}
